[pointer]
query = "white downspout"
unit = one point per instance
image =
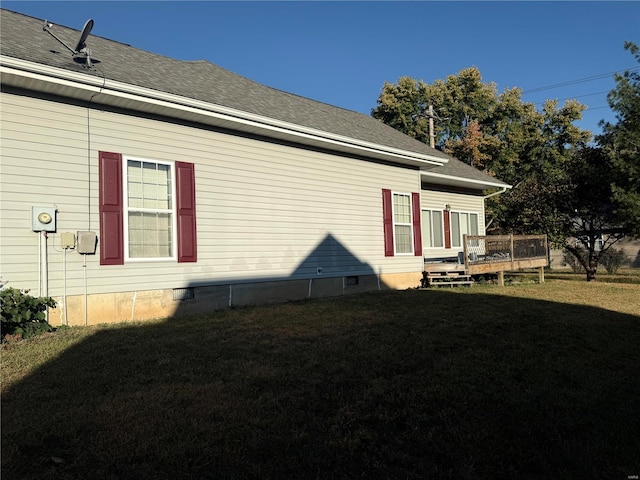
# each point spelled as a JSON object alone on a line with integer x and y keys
{"x": 502, "y": 190}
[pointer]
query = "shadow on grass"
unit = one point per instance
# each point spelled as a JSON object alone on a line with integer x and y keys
{"x": 414, "y": 384}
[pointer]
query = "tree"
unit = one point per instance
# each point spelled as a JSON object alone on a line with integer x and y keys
{"x": 494, "y": 132}
{"x": 584, "y": 198}
{"x": 542, "y": 173}
{"x": 403, "y": 105}
{"x": 621, "y": 142}
{"x": 459, "y": 100}
{"x": 592, "y": 224}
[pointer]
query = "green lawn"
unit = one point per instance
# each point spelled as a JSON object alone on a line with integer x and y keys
{"x": 522, "y": 382}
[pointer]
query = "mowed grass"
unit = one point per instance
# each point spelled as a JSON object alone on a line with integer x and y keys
{"x": 526, "y": 381}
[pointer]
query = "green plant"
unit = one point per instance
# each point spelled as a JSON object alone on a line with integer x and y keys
{"x": 570, "y": 259}
{"x": 613, "y": 259}
{"x": 22, "y": 314}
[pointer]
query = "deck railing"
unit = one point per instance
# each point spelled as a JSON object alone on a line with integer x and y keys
{"x": 480, "y": 249}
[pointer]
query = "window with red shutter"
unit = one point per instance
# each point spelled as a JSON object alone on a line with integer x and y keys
{"x": 401, "y": 222}
{"x": 137, "y": 212}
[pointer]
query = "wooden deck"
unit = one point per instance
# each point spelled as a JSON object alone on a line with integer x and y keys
{"x": 496, "y": 254}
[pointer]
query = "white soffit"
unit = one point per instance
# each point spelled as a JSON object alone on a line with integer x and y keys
{"x": 452, "y": 181}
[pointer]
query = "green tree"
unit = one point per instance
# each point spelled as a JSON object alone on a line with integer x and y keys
{"x": 590, "y": 213}
{"x": 458, "y": 101}
{"x": 497, "y": 133}
{"x": 621, "y": 142}
{"x": 403, "y": 105}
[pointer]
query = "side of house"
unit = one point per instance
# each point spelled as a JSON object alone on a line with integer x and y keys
{"x": 173, "y": 197}
{"x": 274, "y": 222}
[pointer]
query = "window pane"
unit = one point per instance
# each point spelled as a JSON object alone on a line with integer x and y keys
{"x": 464, "y": 224}
{"x": 150, "y": 235}
{"x": 455, "y": 229}
{"x": 149, "y": 188}
{"x": 149, "y": 185}
{"x": 426, "y": 228}
{"x": 473, "y": 224}
{"x": 437, "y": 229}
{"x": 402, "y": 208}
{"x": 403, "y": 239}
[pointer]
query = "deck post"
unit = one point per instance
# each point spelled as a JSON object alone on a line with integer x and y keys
{"x": 540, "y": 274}
{"x": 511, "y": 252}
{"x": 465, "y": 253}
{"x": 501, "y": 278}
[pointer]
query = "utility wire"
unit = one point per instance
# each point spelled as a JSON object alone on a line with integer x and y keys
{"x": 580, "y": 80}
{"x": 575, "y": 96}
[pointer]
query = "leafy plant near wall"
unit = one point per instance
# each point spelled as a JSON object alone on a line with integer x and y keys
{"x": 572, "y": 261}
{"x": 612, "y": 260}
{"x": 22, "y": 314}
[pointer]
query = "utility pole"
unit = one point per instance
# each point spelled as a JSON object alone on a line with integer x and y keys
{"x": 432, "y": 135}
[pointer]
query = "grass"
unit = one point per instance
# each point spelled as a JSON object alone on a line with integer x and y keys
{"x": 525, "y": 381}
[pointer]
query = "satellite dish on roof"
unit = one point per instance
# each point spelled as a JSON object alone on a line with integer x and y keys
{"x": 81, "y": 49}
{"x": 86, "y": 30}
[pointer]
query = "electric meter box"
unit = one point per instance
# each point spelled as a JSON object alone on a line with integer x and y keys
{"x": 67, "y": 240}
{"x": 43, "y": 219}
{"x": 86, "y": 242}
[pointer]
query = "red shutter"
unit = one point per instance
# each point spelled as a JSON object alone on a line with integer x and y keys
{"x": 447, "y": 229}
{"x": 110, "y": 208}
{"x": 186, "y": 207}
{"x": 417, "y": 230}
{"x": 387, "y": 217}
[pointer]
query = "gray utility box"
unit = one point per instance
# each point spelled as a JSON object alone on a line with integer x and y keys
{"x": 86, "y": 243}
{"x": 43, "y": 219}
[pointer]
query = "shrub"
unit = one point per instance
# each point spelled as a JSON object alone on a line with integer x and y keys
{"x": 613, "y": 259}
{"x": 22, "y": 314}
{"x": 570, "y": 259}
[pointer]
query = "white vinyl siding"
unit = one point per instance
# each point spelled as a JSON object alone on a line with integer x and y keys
{"x": 265, "y": 211}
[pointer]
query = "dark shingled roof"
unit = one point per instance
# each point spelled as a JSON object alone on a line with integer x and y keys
{"x": 23, "y": 37}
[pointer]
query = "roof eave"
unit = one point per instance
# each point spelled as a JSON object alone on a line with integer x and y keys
{"x": 451, "y": 180}
{"x": 78, "y": 85}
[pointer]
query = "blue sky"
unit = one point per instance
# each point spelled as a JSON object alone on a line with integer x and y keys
{"x": 342, "y": 52}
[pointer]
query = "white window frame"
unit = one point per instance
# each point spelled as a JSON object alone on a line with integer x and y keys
{"x": 397, "y": 223}
{"x": 428, "y": 242}
{"x": 125, "y": 213}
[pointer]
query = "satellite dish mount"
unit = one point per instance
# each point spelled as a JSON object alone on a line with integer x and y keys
{"x": 81, "y": 49}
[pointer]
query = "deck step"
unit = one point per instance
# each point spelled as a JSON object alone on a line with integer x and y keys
{"x": 446, "y": 279}
{"x": 451, "y": 283}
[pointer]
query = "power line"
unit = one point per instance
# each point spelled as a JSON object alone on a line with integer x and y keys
{"x": 580, "y": 80}
{"x": 574, "y": 97}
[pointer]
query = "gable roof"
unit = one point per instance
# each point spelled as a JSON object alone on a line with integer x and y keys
{"x": 123, "y": 76}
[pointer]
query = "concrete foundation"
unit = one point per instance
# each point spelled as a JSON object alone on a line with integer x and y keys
{"x": 152, "y": 304}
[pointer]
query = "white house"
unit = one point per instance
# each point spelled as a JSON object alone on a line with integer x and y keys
{"x": 171, "y": 187}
